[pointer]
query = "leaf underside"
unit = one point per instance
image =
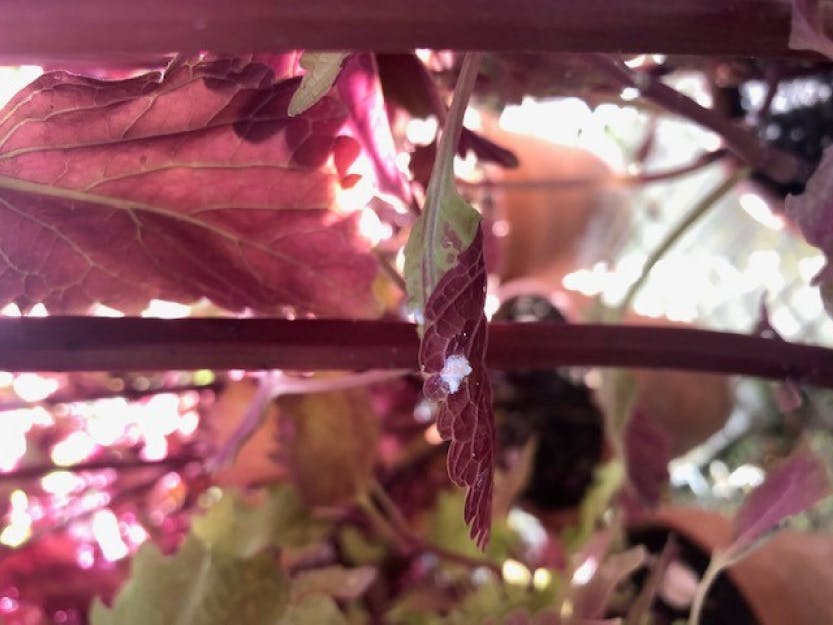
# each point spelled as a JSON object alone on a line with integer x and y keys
{"x": 455, "y": 324}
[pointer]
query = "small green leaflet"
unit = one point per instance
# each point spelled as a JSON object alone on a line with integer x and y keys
{"x": 437, "y": 238}
{"x": 322, "y": 69}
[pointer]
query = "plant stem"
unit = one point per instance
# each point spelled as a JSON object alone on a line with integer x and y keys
{"x": 714, "y": 569}
{"x": 700, "y": 209}
{"x": 122, "y": 30}
{"x": 778, "y": 164}
{"x": 442, "y": 173}
{"x": 102, "y": 344}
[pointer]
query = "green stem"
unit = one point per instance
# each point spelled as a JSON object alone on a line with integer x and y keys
{"x": 716, "y": 566}
{"x": 442, "y": 174}
{"x": 679, "y": 231}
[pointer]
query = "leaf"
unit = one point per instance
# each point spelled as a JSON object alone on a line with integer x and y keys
{"x": 328, "y": 442}
{"x": 236, "y": 528}
{"x": 313, "y": 609}
{"x": 336, "y": 581}
{"x": 607, "y": 480}
{"x": 806, "y": 28}
{"x": 322, "y": 70}
{"x": 590, "y": 600}
{"x": 452, "y": 354}
{"x": 179, "y": 185}
{"x": 797, "y": 484}
{"x": 197, "y": 586}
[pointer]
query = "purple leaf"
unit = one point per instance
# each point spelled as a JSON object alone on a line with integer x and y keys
{"x": 806, "y": 29}
{"x": 452, "y": 353}
{"x": 179, "y": 185}
{"x": 795, "y": 485}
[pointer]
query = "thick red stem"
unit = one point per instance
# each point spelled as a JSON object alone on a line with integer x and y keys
{"x": 89, "y": 343}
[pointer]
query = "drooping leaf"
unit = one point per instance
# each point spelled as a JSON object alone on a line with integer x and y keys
{"x": 792, "y": 487}
{"x": 452, "y": 354}
{"x": 322, "y": 69}
{"x": 178, "y": 185}
{"x": 806, "y": 31}
{"x": 196, "y": 585}
{"x": 328, "y": 443}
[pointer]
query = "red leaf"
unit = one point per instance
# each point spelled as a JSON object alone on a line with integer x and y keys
{"x": 790, "y": 488}
{"x": 806, "y": 31}
{"x": 456, "y": 334}
{"x": 177, "y": 185}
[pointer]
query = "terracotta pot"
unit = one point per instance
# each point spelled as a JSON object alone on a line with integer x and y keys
{"x": 787, "y": 581}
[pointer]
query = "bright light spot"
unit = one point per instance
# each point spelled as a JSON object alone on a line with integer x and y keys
{"x": 107, "y": 535}
{"x": 33, "y": 387}
{"x": 38, "y": 310}
{"x": 516, "y": 573}
{"x": 6, "y": 379}
{"x": 188, "y": 423}
{"x": 76, "y": 447}
{"x": 12, "y": 448}
{"x": 810, "y": 266}
{"x": 135, "y": 533}
{"x": 10, "y": 310}
{"x": 85, "y": 556}
{"x": 467, "y": 168}
{"x": 541, "y": 579}
{"x": 19, "y": 528}
{"x": 637, "y": 61}
{"x": 535, "y": 117}
{"x": 432, "y": 435}
{"x": 629, "y": 93}
{"x": 106, "y": 420}
{"x": 501, "y": 228}
{"x": 492, "y": 305}
{"x": 372, "y": 228}
{"x": 455, "y": 370}
{"x": 746, "y": 477}
{"x": 764, "y": 269}
{"x": 423, "y": 411}
{"x": 421, "y": 131}
{"x": 785, "y": 323}
{"x": 166, "y": 310}
{"x": 156, "y": 448}
{"x": 758, "y": 209}
{"x": 7, "y": 605}
{"x": 61, "y": 483}
{"x": 100, "y": 310}
{"x": 528, "y": 527}
{"x": 585, "y": 572}
{"x": 14, "y": 78}
{"x": 472, "y": 119}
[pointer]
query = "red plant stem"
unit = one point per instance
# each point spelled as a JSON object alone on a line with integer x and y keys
{"x": 90, "y": 343}
{"x": 38, "y": 471}
{"x": 780, "y": 165}
{"x": 54, "y": 29}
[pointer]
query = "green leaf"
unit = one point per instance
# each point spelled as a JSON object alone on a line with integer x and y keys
{"x": 322, "y": 70}
{"x": 312, "y": 610}
{"x": 608, "y": 479}
{"x": 236, "y": 528}
{"x": 436, "y": 242}
{"x": 196, "y": 586}
{"x": 447, "y": 529}
{"x": 336, "y": 581}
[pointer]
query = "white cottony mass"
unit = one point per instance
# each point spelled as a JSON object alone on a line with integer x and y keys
{"x": 455, "y": 370}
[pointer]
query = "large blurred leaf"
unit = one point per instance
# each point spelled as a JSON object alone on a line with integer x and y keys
{"x": 329, "y": 444}
{"x": 197, "y": 586}
{"x": 178, "y": 185}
